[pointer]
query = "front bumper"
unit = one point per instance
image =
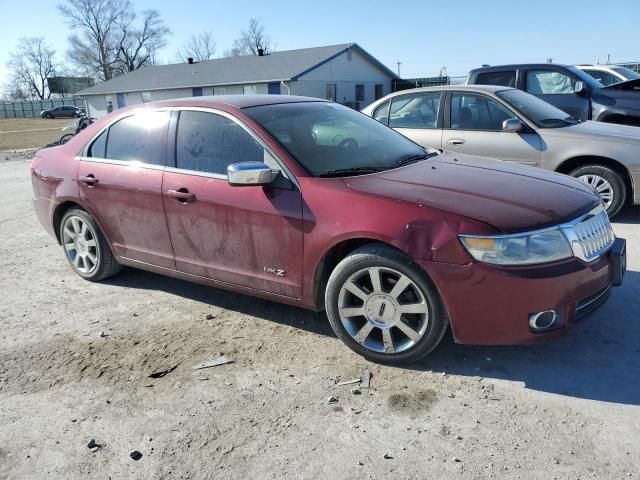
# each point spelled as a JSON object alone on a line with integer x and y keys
{"x": 488, "y": 305}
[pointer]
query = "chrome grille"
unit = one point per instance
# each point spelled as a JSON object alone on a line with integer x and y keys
{"x": 591, "y": 235}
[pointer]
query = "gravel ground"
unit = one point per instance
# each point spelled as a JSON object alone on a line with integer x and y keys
{"x": 75, "y": 360}
{"x": 19, "y": 133}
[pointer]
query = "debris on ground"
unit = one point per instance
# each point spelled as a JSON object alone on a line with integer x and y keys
{"x": 136, "y": 455}
{"x": 365, "y": 380}
{"x": 356, "y": 391}
{"x": 332, "y": 400}
{"x": 213, "y": 363}
{"x": 162, "y": 373}
{"x": 210, "y": 316}
{"x": 388, "y": 456}
{"x": 93, "y": 446}
{"x": 103, "y": 334}
{"x": 348, "y": 382}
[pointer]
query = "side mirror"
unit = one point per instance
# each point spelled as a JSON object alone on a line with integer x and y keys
{"x": 579, "y": 88}
{"x": 250, "y": 173}
{"x": 512, "y": 125}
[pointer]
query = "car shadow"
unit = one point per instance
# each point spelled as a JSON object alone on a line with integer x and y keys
{"x": 629, "y": 215}
{"x": 597, "y": 360}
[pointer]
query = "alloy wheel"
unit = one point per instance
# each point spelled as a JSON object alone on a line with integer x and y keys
{"x": 601, "y": 185}
{"x": 383, "y": 310}
{"x": 80, "y": 244}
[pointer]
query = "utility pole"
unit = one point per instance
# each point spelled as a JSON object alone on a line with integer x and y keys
{"x": 399, "y": 63}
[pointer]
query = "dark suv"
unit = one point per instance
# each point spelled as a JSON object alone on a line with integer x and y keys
{"x": 568, "y": 88}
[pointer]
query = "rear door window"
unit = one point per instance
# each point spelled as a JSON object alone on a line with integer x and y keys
{"x": 140, "y": 137}
{"x": 416, "y": 110}
{"x": 381, "y": 113}
{"x": 505, "y": 78}
{"x": 99, "y": 146}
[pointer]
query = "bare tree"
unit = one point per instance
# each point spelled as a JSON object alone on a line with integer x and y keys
{"x": 138, "y": 46}
{"x": 251, "y": 41}
{"x": 108, "y": 41}
{"x": 199, "y": 47}
{"x": 30, "y": 65}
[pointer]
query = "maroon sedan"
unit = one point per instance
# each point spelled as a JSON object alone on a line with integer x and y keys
{"x": 310, "y": 203}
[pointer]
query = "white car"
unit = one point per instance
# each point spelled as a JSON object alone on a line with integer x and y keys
{"x": 508, "y": 124}
{"x": 609, "y": 74}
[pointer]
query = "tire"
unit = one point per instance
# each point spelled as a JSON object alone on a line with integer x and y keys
{"x": 360, "y": 320}
{"x": 86, "y": 249}
{"x": 48, "y": 116}
{"x": 65, "y": 138}
{"x": 610, "y": 184}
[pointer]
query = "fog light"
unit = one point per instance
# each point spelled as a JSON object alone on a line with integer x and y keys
{"x": 544, "y": 321}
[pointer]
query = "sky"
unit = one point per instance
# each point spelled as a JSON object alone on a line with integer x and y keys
{"x": 423, "y": 35}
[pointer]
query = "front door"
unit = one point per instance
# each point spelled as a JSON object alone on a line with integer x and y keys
{"x": 120, "y": 181}
{"x": 557, "y": 88}
{"x": 248, "y": 236}
{"x": 475, "y": 127}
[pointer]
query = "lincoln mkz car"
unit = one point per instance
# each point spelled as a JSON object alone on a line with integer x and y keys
{"x": 509, "y": 124}
{"x": 395, "y": 242}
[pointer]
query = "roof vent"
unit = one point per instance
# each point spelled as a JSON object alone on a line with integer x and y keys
{"x": 261, "y": 52}
{"x": 190, "y": 60}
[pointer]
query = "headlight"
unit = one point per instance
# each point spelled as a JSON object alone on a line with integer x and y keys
{"x": 519, "y": 249}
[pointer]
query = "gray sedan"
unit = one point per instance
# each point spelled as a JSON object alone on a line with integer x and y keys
{"x": 512, "y": 125}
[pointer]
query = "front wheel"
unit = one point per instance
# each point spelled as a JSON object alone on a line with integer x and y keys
{"x": 608, "y": 183}
{"x": 384, "y": 307}
{"x": 85, "y": 246}
{"x": 65, "y": 138}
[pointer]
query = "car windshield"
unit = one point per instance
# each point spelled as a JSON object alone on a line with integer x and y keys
{"x": 329, "y": 139}
{"x": 541, "y": 113}
{"x": 626, "y": 73}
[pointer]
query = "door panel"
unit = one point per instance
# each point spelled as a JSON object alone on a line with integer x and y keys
{"x": 236, "y": 234}
{"x": 417, "y": 116}
{"x": 427, "y": 137}
{"x": 127, "y": 202}
{"x": 475, "y": 128}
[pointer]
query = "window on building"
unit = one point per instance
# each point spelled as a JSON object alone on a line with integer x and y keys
{"x": 417, "y": 110}
{"x": 506, "y": 78}
{"x": 249, "y": 89}
{"x": 207, "y": 142}
{"x": 146, "y": 97}
{"x": 379, "y": 91}
{"x": 196, "y": 92}
{"x": 330, "y": 92}
{"x": 477, "y": 112}
{"x": 139, "y": 137}
{"x": 359, "y": 93}
{"x": 549, "y": 82}
{"x": 219, "y": 91}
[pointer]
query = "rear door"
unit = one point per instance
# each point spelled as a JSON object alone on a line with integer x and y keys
{"x": 415, "y": 115}
{"x": 247, "y": 236}
{"x": 120, "y": 181}
{"x": 557, "y": 87}
{"x": 473, "y": 125}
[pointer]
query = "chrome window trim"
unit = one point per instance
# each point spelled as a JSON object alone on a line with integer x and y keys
{"x": 567, "y": 230}
{"x": 122, "y": 163}
{"x": 286, "y": 173}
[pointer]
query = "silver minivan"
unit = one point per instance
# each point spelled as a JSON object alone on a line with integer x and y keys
{"x": 509, "y": 124}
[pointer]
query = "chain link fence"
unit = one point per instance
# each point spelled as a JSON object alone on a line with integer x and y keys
{"x": 32, "y": 108}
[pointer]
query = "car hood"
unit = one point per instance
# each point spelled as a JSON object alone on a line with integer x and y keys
{"x": 627, "y": 85}
{"x": 507, "y": 196}
{"x": 591, "y": 130}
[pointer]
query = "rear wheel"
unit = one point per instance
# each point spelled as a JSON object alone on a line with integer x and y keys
{"x": 384, "y": 307}
{"x": 65, "y": 138}
{"x": 48, "y": 115}
{"x": 85, "y": 246}
{"x": 608, "y": 183}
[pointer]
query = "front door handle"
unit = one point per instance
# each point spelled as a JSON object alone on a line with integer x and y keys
{"x": 182, "y": 195}
{"x": 456, "y": 141}
{"x": 89, "y": 180}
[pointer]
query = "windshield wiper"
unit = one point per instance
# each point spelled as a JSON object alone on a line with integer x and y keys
{"x": 414, "y": 158}
{"x": 343, "y": 172}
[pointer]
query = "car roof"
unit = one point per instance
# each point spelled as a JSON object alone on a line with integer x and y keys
{"x": 517, "y": 65}
{"x": 467, "y": 88}
{"x": 237, "y": 101}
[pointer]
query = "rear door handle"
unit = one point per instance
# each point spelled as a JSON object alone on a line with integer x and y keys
{"x": 89, "y": 180}
{"x": 456, "y": 141}
{"x": 182, "y": 195}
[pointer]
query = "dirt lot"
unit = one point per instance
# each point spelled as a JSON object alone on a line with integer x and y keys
{"x": 569, "y": 409}
{"x": 17, "y": 133}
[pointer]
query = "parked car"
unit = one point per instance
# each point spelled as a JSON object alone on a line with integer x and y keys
{"x": 509, "y": 124}
{"x": 395, "y": 242}
{"x": 609, "y": 74}
{"x": 568, "y": 88}
{"x": 63, "y": 111}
